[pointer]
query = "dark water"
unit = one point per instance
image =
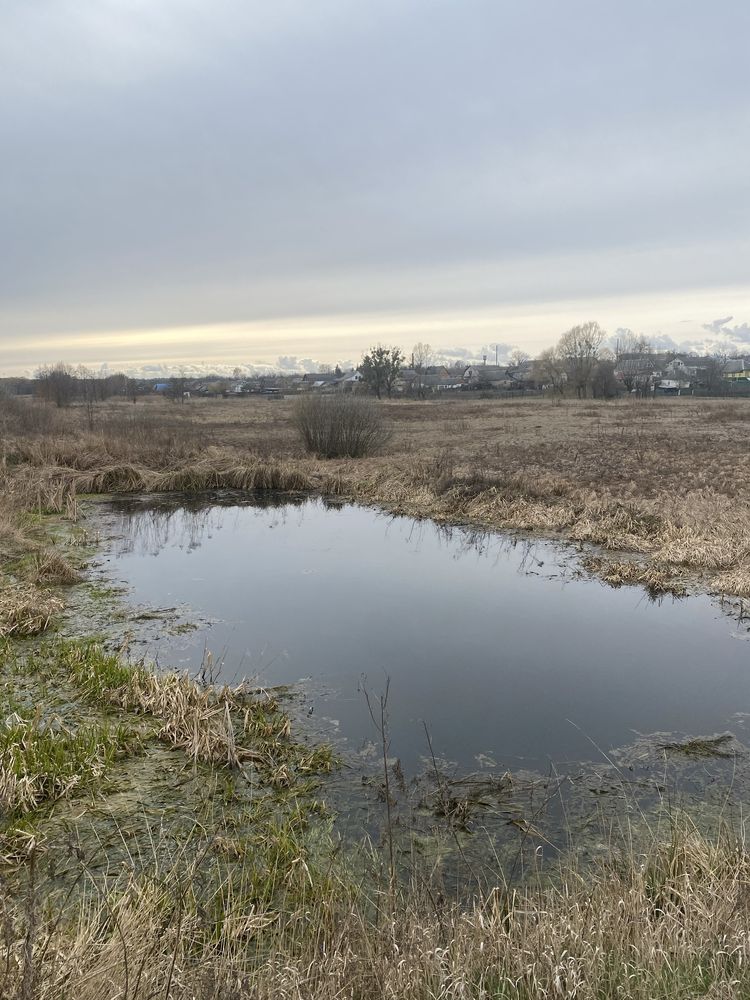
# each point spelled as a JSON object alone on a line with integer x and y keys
{"x": 505, "y": 654}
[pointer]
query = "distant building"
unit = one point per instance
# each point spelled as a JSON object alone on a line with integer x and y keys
{"x": 494, "y": 376}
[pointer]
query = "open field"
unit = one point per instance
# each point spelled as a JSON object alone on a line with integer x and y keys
{"x": 663, "y": 483}
{"x": 162, "y": 837}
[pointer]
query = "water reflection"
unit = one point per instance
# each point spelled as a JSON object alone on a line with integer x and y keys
{"x": 147, "y": 525}
{"x": 510, "y": 661}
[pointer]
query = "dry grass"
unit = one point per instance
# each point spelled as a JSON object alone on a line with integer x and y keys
{"x": 654, "y": 579}
{"x": 665, "y": 478}
{"x": 49, "y": 567}
{"x": 668, "y": 479}
{"x": 26, "y": 610}
{"x": 225, "y": 726}
{"x": 674, "y": 923}
{"x": 236, "y": 918}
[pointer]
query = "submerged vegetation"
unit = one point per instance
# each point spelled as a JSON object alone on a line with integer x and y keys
{"x": 40, "y": 763}
{"x": 229, "y": 726}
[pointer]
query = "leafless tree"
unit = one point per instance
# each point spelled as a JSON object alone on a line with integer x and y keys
{"x": 56, "y": 384}
{"x": 579, "y": 348}
{"x": 549, "y": 370}
{"x": 629, "y": 342}
{"x": 421, "y": 360}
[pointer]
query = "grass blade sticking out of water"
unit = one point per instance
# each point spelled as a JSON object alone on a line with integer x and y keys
{"x": 40, "y": 763}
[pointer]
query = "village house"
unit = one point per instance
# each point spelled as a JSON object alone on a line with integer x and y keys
{"x": 330, "y": 381}
{"x": 488, "y": 376}
{"x": 737, "y": 369}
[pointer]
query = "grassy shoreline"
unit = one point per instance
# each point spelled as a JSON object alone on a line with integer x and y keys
{"x": 165, "y": 839}
{"x": 659, "y": 486}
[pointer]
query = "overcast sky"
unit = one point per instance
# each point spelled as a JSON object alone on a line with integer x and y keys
{"x": 234, "y": 181}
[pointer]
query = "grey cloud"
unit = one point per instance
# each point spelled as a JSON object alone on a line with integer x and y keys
{"x": 738, "y": 333}
{"x": 718, "y": 325}
{"x": 459, "y": 353}
{"x": 170, "y": 163}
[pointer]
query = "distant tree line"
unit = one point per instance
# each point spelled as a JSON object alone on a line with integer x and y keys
{"x": 63, "y": 384}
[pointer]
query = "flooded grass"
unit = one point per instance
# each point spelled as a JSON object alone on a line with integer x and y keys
{"x": 40, "y": 763}
{"x": 228, "y": 726}
{"x": 250, "y": 918}
{"x": 723, "y": 746}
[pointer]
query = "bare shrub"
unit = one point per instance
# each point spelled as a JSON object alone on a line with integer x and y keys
{"x": 340, "y": 426}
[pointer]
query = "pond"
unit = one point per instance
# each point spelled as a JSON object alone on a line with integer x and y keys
{"x": 507, "y": 655}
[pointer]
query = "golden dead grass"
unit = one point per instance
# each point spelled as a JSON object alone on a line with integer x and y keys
{"x": 618, "y": 573}
{"x": 225, "y": 726}
{"x": 667, "y": 478}
{"x": 26, "y": 610}
{"x": 673, "y": 923}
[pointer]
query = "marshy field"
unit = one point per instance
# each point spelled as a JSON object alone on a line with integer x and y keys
{"x": 178, "y": 822}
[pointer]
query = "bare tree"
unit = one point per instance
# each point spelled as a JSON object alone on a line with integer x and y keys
{"x": 421, "y": 360}
{"x": 86, "y": 387}
{"x": 628, "y": 342}
{"x": 549, "y": 370}
{"x": 518, "y": 357}
{"x": 131, "y": 390}
{"x": 604, "y": 385}
{"x": 580, "y": 348}
{"x": 715, "y": 367}
{"x": 56, "y": 384}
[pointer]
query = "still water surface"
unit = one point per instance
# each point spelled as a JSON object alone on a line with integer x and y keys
{"x": 496, "y": 645}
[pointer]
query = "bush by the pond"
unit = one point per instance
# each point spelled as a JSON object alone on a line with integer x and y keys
{"x": 340, "y": 426}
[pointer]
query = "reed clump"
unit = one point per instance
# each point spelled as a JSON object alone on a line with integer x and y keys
{"x": 26, "y": 610}
{"x": 50, "y": 568}
{"x": 226, "y": 726}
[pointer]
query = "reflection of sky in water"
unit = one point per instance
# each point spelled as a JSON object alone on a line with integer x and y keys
{"x": 483, "y": 639}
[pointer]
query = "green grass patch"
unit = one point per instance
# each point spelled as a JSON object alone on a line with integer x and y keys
{"x": 40, "y": 762}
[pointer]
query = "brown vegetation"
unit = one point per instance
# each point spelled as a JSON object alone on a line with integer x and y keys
{"x": 26, "y": 610}
{"x": 340, "y": 426}
{"x": 244, "y": 910}
{"x": 666, "y": 478}
{"x": 671, "y": 923}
